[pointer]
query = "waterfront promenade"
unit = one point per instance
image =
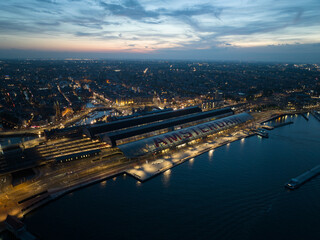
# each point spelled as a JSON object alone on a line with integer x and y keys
{"x": 65, "y": 180}
{"x": 237, "y": 193}
{"x": 152, "y": 168}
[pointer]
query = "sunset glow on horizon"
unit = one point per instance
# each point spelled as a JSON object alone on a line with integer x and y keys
{"x": 159, "y": 27}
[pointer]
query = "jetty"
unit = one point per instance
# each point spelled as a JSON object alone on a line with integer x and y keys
{"x": 296, "y": 182}
{"x": 304, "y": 116}
{"x": 152, "y": 168}
{"x": 15, "y": 226}
{"x": 316, "y": 115}
{"x": 267, "y": 127}
{"x": 262, "y": 133}
{"x": 282, "y": 124}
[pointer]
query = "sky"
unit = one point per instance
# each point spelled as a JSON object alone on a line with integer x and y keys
{"x": 252, "y": 30}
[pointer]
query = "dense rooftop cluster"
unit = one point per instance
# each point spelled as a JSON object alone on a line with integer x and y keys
{"x": 35, "y": 92}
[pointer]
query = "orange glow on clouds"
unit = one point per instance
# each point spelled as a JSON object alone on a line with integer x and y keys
{"x": 85, "y": 45}
{"x": 140, "y": 26}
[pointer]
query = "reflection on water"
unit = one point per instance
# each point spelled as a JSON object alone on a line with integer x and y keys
{"x": 166, "y": 177}
{"x": 211, "y": 153}
{"x": 191, "y": 161}
{"x": 103, "y": 184}
{"x": 227, "y": 146}
{"x": 92, "y": 117}
{"x": 239, "y": 195}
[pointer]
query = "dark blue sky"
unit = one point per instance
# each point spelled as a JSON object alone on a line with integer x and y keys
{"x": 261, "y": 30}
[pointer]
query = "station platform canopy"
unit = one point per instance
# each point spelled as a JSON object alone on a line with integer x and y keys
{"x": 171, "y": 139}
{"x": 93, "y": 130}
{"x": 112, "y": 137}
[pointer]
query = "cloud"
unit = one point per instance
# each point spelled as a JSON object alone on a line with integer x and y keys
{"x": 48, "y": 24}
{"x": 195, "y": 10}
{"x": 105, "y": 35}
{"x": 47, "y": 1}
{"x": 301, "y": 53}
{"x": 130, "y": 9}
{"x": 13, "y": 27}
{"x": 177, "y": 24}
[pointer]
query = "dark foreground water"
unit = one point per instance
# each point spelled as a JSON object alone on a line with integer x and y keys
{"x": 237, "y": 193}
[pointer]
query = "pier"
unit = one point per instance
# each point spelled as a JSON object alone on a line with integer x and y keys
{"x": 316, "y": 115}
{"x": 267, "y": 127}
{"x": 262, "y": 133}
{"x": 296, "y": 182}
{"x": 150, "y": 169}
{"x": 282, "y": 124}
{"x": 15, "y": 226}
{"x": 304, "y": 116}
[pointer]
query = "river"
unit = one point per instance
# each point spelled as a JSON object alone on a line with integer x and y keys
{"x": 235, "y": 193}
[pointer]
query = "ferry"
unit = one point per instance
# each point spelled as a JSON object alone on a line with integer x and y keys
{"x": 292, "y": 184}
{"x": 262, "y": 133}
{"x": 298, "y": 181}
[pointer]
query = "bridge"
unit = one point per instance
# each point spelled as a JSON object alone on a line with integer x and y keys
{"x": 37, "y": 131}
{"x": 15, "y": 226}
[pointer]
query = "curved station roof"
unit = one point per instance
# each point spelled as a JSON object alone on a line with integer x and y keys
{"x": 93, "y": 130}
{"x": 112, "y": 137}
{"x": 175, "y": 138}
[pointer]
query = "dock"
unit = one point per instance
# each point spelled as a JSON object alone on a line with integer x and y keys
{"x": 283, "y": 124}
{"x": 267, "y": 127}
{"x": 304, "y": 116}
{"x": 316, "y": 115}
{"x": 273, "y": 117}
{"x": 296, "y": 182}
{"x": 18, "y": 228}
{"x": 262, "y": 133}
{"x": 152, "y": 168}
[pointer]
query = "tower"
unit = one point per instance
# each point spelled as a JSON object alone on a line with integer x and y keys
{"x": 57, "y": 108}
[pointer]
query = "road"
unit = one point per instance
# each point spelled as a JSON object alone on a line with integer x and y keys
{"x": 55, "y": 179}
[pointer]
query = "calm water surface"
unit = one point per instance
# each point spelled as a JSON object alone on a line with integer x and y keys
{"x": 236, "y": 193}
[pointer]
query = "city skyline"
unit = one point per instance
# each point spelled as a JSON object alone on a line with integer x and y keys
{"x": 219, "y": 30}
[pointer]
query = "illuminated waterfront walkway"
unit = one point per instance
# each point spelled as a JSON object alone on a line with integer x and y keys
{"x": 152, "y": 168}
{"x": 52, "y": 183}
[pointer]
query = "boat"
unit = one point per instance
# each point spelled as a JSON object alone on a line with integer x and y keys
{"x": 262, "y": 133}
{"x": 301, "y": 179}
{"x": 292, "y": 184}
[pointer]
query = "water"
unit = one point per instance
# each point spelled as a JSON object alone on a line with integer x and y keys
{"x": 93, "y": 104}
{"x": 91, "y": 117}
{"x": 236, "y": 193}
